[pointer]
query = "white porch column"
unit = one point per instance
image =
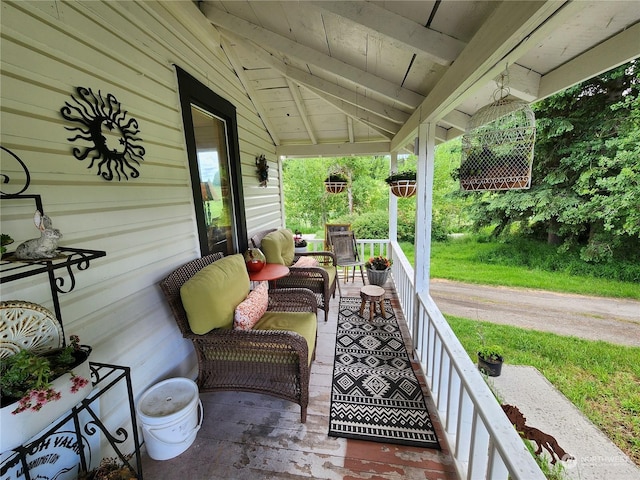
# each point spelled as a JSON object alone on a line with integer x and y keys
{"x": 424, "y": 201}
{"x": 393, "y": 203}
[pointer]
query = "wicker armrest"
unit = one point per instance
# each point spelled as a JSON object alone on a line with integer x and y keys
{"x": 292, "y": 300}
{"x": 252, "y": 345}
{"x": 307, "y": 273}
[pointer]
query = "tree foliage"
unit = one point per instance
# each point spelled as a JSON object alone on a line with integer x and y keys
{"x": 586, "y": 175}
{"x": 308, "y": 207}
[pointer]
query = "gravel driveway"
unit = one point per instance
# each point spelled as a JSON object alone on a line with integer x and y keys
{"x": 594, "y": 318}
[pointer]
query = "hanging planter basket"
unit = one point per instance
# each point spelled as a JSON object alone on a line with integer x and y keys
{"x": 497, "y": 147}
{"x": 402, "y": 184}
{"x": 336, "y": 181}
{"x": 335, "y": 187}
{"x": 403, "y": 188}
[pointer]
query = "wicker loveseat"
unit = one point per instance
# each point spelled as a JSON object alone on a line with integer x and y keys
{"x": 271, "y": 358}
{"x": 278, "y": 247}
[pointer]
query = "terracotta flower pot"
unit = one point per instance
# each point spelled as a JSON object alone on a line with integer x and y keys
{"x": 403, "y": 188}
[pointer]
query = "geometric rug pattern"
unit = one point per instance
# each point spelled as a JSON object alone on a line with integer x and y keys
{"x": 375, "y": 394}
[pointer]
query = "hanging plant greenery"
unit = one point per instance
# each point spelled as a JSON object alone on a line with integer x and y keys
{"x": 403, "y": 184}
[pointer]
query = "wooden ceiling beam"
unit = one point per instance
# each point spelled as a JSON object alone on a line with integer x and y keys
{"x": 456, "y": 119}
{"x": 333, "y": 149}
{"x": 403, "y": 32}
{"x": 302, "y": 110}
{"x": 262, "y": 36}
{"x": 615, "y": 51}
{"x": 252, "y": 94}
{"x": 312, "y": 81}
{"x": 510, "y": 26}
{"x": 381, "y": 125}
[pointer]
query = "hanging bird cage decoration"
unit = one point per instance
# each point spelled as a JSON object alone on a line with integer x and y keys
{"x": 497, "y": 147}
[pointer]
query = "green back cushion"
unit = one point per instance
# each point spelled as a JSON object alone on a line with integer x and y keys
{"x": 278, "y": 247}
{"x": 210, "y": 297}
{"x": 304, "y": 323}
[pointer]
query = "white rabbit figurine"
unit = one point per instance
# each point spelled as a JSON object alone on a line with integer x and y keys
{"x": 43, "y": 247}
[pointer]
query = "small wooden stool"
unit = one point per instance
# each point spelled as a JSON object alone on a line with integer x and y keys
{"x": 375, "y": 295}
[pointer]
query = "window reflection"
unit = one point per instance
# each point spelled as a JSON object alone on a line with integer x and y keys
{"x": 213, "y": 168}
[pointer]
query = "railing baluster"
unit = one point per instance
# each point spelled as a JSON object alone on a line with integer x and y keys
{"x": 453, "y": 403}
{"x": 478, "y": 457}
{"x": 464, "y": 423}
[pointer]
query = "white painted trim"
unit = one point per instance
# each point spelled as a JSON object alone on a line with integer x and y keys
{"x": 253, "y": 95}
{"x": 333, "y": 149}
{"x": 614, "y": 52}
{"x": 424, "y": 201}
{"x": 393, "y": 202}
{"x": 510, "y": 25}
{"x": 321, "y": 87}
{"x": 400, "y": 31}
{"x": 302, "y": 110}
{"x": 288, "y": 47}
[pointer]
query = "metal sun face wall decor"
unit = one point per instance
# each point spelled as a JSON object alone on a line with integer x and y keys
{"x": 103, "y": 123}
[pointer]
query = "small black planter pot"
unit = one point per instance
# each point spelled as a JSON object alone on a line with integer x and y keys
{"x": 493, "y": 368}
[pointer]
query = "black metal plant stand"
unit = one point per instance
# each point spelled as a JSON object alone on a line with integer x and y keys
{"x": 105, "y": 377}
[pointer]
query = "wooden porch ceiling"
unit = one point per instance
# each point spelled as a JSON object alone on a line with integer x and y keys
{"x": 358, "y": 77}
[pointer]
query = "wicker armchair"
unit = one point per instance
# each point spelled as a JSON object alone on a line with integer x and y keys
{"x": 272, "y": 362}
{"x": 319, "y": 279}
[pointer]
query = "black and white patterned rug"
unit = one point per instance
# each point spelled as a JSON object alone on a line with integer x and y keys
{"x": 375, "y": 394}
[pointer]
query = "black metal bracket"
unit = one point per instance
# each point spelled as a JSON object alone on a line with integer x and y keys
{"x": 104, "y": 378}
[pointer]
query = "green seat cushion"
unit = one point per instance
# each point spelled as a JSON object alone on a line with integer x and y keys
{"x": 211, "y": 296}
{"x": 278, "y": 247}
{"x": 304, "y": 323}
{"x": 331, "y": 271}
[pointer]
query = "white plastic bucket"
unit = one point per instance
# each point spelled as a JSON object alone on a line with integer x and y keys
{"x": 168, "y": 412}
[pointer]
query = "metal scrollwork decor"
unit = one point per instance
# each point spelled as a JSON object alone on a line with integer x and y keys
{"x": 103, "y": 123}
{"x": 262, "y": 169}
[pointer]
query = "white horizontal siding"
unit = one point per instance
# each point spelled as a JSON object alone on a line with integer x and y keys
{"x": 146, "y": 225}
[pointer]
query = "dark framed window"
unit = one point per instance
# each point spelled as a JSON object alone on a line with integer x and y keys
{"x": 211, "y": 135}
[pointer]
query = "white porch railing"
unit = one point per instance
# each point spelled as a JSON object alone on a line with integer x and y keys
{"x": 366, "y": 248}
{"x": 483, "y": 442}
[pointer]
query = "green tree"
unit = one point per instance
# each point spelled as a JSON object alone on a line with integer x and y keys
{"x": 308, "y": 206}
{"x": 586, "y": 174}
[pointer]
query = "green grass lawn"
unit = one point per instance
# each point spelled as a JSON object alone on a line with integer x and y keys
{"x": 529, "y": 265}
{"x": 601, "y": 379}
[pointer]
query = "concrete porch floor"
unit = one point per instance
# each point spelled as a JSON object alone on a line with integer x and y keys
{"x": 252, "y": 436}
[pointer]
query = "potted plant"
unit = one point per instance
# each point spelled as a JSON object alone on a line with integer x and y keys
{"x": 39, "y": 387}
{"x": 5, "y": 240}
{"x": 490, "y": 359}
{"x": 378, "y": 269}
{"x": 335, "y": 182}
{"x": 403, "y": 184}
